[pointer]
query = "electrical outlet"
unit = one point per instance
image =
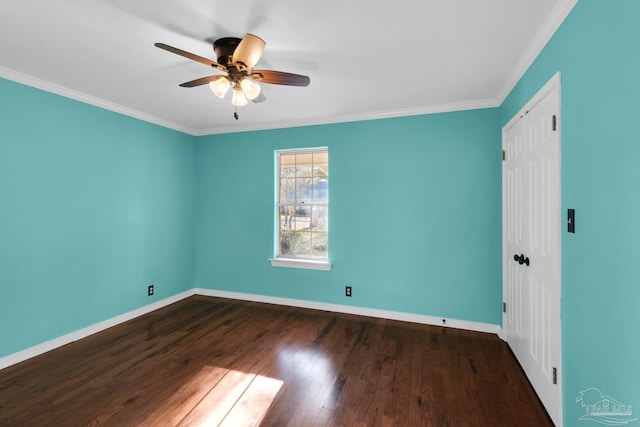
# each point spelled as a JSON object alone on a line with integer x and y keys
{"x": 150, "y": 290}
{"x": 347, "y": 291}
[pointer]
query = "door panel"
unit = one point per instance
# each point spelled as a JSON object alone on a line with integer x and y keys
{"x": 531, "y": 206}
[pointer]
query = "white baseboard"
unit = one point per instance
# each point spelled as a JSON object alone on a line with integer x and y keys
{"x": 362, "y": 311}
{"x": 39, "y": 349}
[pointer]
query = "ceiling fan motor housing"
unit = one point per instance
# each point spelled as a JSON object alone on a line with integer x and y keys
{"x": 224, "y": 49}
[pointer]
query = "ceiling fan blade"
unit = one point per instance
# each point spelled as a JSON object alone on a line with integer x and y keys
{"x": 191, "y": 56}
{"x": 201, "y": 81}
{"x": 280, "y": 78}
{"x": 260, "y": 98}
{"x": 248, "y": 52}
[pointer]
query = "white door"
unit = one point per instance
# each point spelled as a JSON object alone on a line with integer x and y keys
{"x": 531, "y": 243}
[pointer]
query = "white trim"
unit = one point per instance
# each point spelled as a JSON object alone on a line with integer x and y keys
{"x": 37, "y": 83}
{"x": 554, "y": 82}
{"x": 556, "y": 18}
{"x": 301, "y": 263}
{"x": 360, "y": 311}
{"x": 544, "y": 34}
{"x": 39, "y": 349}
{"x": 372, "y": 115}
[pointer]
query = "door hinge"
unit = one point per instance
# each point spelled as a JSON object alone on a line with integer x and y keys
{"x": 504, "y": 155}
{"x": 555, "y": 375}
{"x": 504, "y": 307}
{"x": 554, "y": 124}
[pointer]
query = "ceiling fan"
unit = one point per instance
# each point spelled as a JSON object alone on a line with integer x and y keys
{"x": 238, "y": 57}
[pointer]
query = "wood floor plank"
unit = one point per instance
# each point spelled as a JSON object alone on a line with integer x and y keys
{"x": 213, "y": 361}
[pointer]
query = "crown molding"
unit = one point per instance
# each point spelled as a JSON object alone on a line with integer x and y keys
{"x": 546, "y": 31}
{"x": 544, "y": 34}
{"x": 374, "y": 115}
{"x": 66, "y": 92}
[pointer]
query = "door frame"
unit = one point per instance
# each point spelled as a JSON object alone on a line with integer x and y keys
{"x": 552, "y": 84}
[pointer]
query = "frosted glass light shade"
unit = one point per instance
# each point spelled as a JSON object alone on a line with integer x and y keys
{"x": 239, "y": 99}
{"x": 220, "y": 86}
{"x": 251, "y": 89}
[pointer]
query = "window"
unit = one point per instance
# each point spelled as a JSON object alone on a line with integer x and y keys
{"x": 302, "y": 209}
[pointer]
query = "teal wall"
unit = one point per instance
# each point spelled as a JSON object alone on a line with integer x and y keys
{"x": 596, "y": 49}
{"x": 94, "y": 206}
{"x": 415, "y": 216}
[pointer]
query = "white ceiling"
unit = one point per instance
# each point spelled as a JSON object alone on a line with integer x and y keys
{"x": 366, "y": 59}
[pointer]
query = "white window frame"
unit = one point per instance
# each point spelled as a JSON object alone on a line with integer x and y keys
{"x": 294, "y": 262}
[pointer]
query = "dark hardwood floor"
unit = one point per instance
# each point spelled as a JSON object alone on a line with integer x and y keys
{"x": 209, "y": 361}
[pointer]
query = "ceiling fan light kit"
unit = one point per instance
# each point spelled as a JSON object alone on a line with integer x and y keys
{"x": 239, "y": 98}
{"x": 220, "y": 86}
{"x": 238, "y": 57}
{"x": 251, "y": 89}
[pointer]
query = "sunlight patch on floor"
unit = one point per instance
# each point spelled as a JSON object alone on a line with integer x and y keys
{"x": 237, "y": 399}
{"x": 309, "y": 364}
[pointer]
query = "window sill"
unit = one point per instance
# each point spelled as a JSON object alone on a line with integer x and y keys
{"x": 301, "y": 263}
